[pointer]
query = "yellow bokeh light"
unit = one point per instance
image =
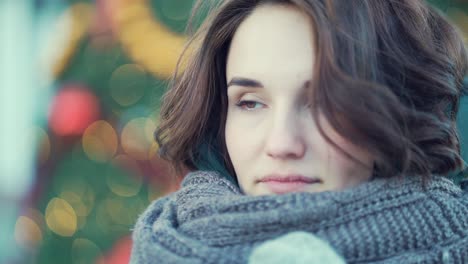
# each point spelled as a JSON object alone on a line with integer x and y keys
{"x": 61, "y": 217}
{"x": 85, "y": 251}
{"x": 74, "y": 200}
{"x": 27, "y": 232}
{"x": 80, "y": 209}
{"x": 100, "y": 141}
{"x": 127, "y": 84}
{"x": 43, "y": 145}
{"x": 153, "y": 152}
{"x": 80, "y": 196}
{"x": 117, "y": 211}
{"x": 124, "y": 211}
{"x": 122, "y": 184}
{"x": 145, "y": 39}
{"x": 106, "y": 223}
{"x": 137, "y": 137}
{"x": 150, "y": 127}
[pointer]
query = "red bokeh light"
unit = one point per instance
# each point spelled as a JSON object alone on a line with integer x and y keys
{"x": 74, "y": 108}
{"x": 119, "y": 254}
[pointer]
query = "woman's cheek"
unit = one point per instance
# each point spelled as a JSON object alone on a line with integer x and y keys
{"x": 244, "y": 136}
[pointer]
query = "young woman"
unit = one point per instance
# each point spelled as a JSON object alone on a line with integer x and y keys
{"x": 334, "y": 118}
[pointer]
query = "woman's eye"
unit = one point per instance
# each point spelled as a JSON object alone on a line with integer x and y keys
{"x": 249, "y": 105}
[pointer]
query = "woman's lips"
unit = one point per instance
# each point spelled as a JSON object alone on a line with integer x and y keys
{"x": 284, "y": 184}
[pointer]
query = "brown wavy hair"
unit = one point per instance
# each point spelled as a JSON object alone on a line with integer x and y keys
{"x": 388, "y": 77}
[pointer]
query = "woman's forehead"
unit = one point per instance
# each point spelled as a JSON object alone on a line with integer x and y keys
{"x": 275, "y": 42}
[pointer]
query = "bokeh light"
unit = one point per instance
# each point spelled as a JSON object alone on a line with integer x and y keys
{"x": 82, "y": 201}
{"x": 100, "y": 141}
{"x": 153, "y": 151}
{"x": 74, "y": 108}
{"x": 127, "y": 180}
{"x": 127, "y": 84}
{"x": 117, "y": 211}
{"x": 27, "y": 232}
{"x": 124, "y": 211}
{"x": 61, "y": 217}
{"x": 137, "y": 137}
{"x": 116, "y": 215}
{"x": 29, "y": 228}
{"x": 107, "y": 224}
{"x": 73, "y": 183}
{"x": 85, "y": 251}
{"x": 77, "y": 192}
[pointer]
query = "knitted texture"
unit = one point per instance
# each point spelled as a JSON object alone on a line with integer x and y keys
{"x": 394, "y": 220}
{"x": 295, "y": 248}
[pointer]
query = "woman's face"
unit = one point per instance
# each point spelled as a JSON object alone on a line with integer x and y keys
{"x": 272, "y": 140}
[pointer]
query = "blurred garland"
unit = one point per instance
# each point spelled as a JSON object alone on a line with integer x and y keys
{"x": 145, "y": 39}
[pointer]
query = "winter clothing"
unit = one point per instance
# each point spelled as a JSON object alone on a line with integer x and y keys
{"x": 392, "y": 220}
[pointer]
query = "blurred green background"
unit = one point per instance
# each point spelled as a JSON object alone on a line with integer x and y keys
{"x": 95, "y": 166}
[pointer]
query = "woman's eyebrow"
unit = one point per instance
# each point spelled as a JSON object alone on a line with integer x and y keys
{"x": 246, "y": 82}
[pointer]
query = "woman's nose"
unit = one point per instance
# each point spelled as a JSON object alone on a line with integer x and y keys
{"x": 285, "y": 139}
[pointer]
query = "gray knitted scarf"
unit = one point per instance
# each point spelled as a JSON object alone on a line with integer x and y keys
{"x": 209, "y": 220}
